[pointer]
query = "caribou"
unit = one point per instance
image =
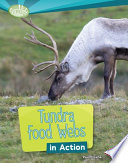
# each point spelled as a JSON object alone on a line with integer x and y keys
{"x": 102, "y": 40}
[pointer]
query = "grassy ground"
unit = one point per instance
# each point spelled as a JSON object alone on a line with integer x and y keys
{"x": 110, "y": 126}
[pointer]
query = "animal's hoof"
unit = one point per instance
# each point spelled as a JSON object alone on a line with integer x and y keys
{"x": 113, "y": 96}
{"x": 106, "y": 96}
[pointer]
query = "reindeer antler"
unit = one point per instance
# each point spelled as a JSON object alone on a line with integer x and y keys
{"x": 32, "y": 38}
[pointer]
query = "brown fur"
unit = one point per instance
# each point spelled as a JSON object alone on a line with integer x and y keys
{"x": 109, "y": 57}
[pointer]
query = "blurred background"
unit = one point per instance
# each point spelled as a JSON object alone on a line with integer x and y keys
{"x": 17, "y": 55}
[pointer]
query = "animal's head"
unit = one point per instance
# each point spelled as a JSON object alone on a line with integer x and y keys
{"x": 59, "y": 84}
{"x": 65, "y": 78}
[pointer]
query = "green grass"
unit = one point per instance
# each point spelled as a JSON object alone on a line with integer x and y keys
{"x": 110, "y": 126}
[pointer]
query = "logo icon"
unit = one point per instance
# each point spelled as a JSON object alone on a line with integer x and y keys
{"x": 19, "y": 11}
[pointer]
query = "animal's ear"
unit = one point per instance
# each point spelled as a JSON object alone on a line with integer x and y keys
{"x": 64, "y": 67}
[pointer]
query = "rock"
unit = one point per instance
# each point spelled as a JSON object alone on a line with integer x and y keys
{"x": 43, "y": 99}
{"x": 14, "y": 109}
{"x": 6, "y": 97}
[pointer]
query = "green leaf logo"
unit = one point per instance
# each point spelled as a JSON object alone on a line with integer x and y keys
{"x": 19, "y": 11}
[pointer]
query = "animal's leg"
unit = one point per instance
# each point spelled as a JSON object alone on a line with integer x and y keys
{"x": 112, "y": 79}
{"x": 109, "y": 60}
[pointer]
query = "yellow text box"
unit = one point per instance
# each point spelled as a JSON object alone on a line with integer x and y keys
{"x": 40, "y": 125}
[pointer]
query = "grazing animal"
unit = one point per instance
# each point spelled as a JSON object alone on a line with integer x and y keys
{"x": 101, "y": 40}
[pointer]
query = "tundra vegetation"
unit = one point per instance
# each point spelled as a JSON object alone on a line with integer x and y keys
{"x": 19, "y": 83}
